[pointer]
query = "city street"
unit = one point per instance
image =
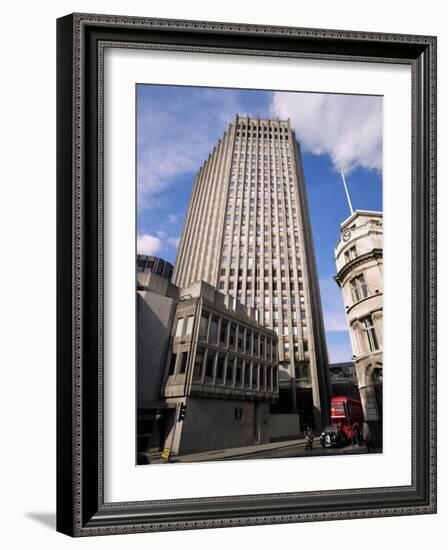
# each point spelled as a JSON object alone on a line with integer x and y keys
{"x": 280, "y": 449}
{"x": 299, "y": 450}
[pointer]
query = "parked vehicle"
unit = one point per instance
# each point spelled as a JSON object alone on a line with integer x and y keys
{"x": 346, "y": 413}
{"x": 333, "y": 437}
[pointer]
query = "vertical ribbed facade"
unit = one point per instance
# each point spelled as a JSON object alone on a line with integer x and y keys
{"x": 198, "y": 253}
{"x": 247, "y": 232}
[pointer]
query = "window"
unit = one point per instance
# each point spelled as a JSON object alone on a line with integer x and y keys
{"x": 239, "y": 372}
{"x": 198, "y": 363}
{"x": 183, "y": 362}
{"x": 220, "y": 367}
{"x": 203, "y": 327}
{"x": 268, "y": 349}
{"x": 229, "y": 371}
{"x": 255, "y": 343}
{"x": 359, "y": 288}
{"x": 248, "y": 341}
{"x": 240, "y": 338}
{"x": 189, "y": 327}
{"x": 350, "y": 254}
{"x": 210, "y": 363}
{"x": 179, "y": 326}
{"x": 213, "y": 339}
{"x": 172, "y": 364}
{"x": 255, "y": 377}
{"x": 269, "y": 378}
{"x": 370, "y": 332}
{"x": 247, "y": 375}
{"x": 223, "y": 332}
{"x": 232, "y": 335}
{"x": 262, "y": 377}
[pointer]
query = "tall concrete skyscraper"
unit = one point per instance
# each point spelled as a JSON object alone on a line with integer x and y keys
{"x": 247, "y": 232}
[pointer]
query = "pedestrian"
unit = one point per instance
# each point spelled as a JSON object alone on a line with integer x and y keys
{"x": 366, "y": 434}
{"x": 340, "y": 436}
{"x": 308, "y": 439}
{"x": 355, "y": 430}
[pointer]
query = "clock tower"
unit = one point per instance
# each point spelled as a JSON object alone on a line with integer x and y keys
{"x": 359, "y": 264}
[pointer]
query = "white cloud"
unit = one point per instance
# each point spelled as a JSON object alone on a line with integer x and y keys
{"x": 348, "y": 128}
{"x": 173, "y": 218}
{"x": 176, "y": 137}
{"x": 148, "y": 244}
{"x": 166, "y": 240}
{"x": 164, "y": 151}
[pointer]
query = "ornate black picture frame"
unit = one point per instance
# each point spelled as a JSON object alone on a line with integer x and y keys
{"x": 81, "y": 509}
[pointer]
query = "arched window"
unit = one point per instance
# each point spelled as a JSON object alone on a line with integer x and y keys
{"x": 377, "y": 382}
{"x": 368, "y": 327}
{"x": 358, "y": 287}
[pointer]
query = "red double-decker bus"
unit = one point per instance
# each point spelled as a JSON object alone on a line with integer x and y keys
{"x": 346, "y": 412}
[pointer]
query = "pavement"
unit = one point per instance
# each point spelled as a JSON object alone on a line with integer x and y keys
{"x": 278, "y": 449}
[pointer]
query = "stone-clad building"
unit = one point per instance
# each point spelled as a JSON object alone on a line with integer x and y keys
{"x": 359, "y": 263}
{"x": 205, "y": 353}
{"x": 155, "y": 265}
{"x": 222, "y": 369}
{"x": 247, "y": 233}
{"x": 156, "y": 303}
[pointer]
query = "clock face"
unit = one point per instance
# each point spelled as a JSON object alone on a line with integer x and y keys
{"x": 346, "y": 235}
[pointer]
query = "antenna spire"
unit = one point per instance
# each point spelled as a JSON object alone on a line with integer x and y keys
{"x": 346, "y": 192}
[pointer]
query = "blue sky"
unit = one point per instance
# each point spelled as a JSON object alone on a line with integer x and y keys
{"x": 177, "y": 128}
